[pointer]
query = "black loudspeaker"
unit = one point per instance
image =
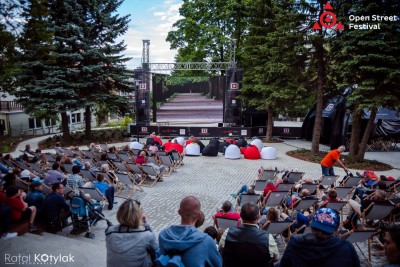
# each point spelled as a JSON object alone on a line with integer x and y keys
{"x": 235, "y": 112}
{"x": 220, "y": 124}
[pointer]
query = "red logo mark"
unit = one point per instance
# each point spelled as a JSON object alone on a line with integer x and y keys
{"x": 328, "y": 19}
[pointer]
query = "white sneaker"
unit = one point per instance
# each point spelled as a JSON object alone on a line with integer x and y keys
{"x": 9, "y": 235}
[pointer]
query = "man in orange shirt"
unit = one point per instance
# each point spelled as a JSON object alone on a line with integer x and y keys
{"x": 330, "y": 159}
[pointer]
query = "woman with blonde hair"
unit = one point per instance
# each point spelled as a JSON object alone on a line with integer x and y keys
{"x": 131, "y": 242}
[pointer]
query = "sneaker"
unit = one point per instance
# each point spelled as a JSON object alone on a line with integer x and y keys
{"x": 33, "y": 228}
{"x": 233, "y": 195}
{"x": 9, "y": 235}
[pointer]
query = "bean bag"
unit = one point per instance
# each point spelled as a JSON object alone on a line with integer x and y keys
{"x": 192, "y": 149}
{"x": 175, "y": 146}
{"x": 232, "y": 152}
{"x": 252, "y": 153}
{"x": 158, "y": 140}
{"x": 201, "y": 145}
{"x": 181, "y": 141}
{"x": 268, "y": 152}
{"x": 241, "y": 142}
{"x": 242, "y": 150}
{"x": 257, "y": 143}
{"x": 135, "y": 145}
{"x": 214, "y": 142}
{"x": 221, "y": 146}
{"x": 211, "y": 150}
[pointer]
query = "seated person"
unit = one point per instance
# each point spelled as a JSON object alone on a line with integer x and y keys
{"x": 378, "y": 197}
{"x": 106, "y": 189}
{"x": 274, "y": 215}
{"x": 153, "y": 148}
{"x": 35, "y": 197}
{"x": 332, "y": 197}
{"x": 270, "y": 187}
{"x": 245, "y": 189}
{"x": 20, "y": 211}
{"x": 226, "y": 212}
{"x": 106, "y": 169}
{"x": 74, "y": 180}
{"x": 54, "y": 175}
{"x": 5, "y": 215}
{"x": 157, "y": 169}
{"x": 76, "y": 161}
{"x": 29, "y": 155}
{"x": 140, "y": 159}
{"x": 55, "y": 208}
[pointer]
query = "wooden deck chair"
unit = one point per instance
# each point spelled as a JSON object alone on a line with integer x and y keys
{"x": 268, "y": 175}
{"x": 10, "y": 163}
{"x": 95, "y": 194}
{"x": 22, "y": 184}
{"x": 338, "y": 206}
{"x": 68, "y": 167}
{"x": 104, "y": 146}
{"x": 304, "y": 204}
{"x": 88, "y": 176}
{"x": 356, "y": 237}
{"x": 121, "y": 167}
{"x": 351, "y": 181}
{"x": 152, "y": 160}
{"x": 294, "y": 177}
{"x": 125, "y": 158}
{"x": 22, "y": 164}
{"x": 162, "y": 153}
{"x": 327, "y": 181}
{"x": 225, "y": 223}
{"x": 375, "y": 212}
{"x": 135, "y": 152}
{"x": 277, "y": 228}
{"x": 285, "y": 187}
{"x": 69, "y": 193}
{"x": 168, "y": 162}
{"x": 154, "y": 176}
{"x": 46, "y": 189}
{"x": 49, "y": 157}
{"x": 136, "y": 169}
{"x": 36, "y": 168}
{"x": 128, "y": 183}
{"x": 274, "y": 199}
{"x": 97, "y": 155}
{"x": 88, "y": 154}
{"x": 178, "y": 159}
{"x": 246, "y": 198}
{"x": 78, "y": 152}
{"x": 102, "y": 162}
{"x": 68, "y": 152}
{"x": 310, "y": 187}
{"x": 259, "y": 185}
{"x": 343, "y": 192}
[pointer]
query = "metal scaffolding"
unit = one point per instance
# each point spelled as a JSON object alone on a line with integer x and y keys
{"x": 193, "y": 66}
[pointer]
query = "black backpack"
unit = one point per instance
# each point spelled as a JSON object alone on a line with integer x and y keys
{"x": 351, "y": 222}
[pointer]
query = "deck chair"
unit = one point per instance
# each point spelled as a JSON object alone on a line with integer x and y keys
{"x": 154, "y": 176}
{"x": 259, "y": 185}
{"x": 343, "y": 192}
{"x": 225, "y": 223}
{"x": 36, "y": 168}
{"x": 152, "y": 160}
{"x": 95, "y": 194}
{"x": 275, "y": 198}
{"x": 68, "y": 167}
{"x": 309, "y": 187}
{"x": 351, "y": 181}
{"x": 246, "y": 198}
{"x": 68, "y": 152}
{"x": 69, "y": 193}
{"x": 162, "y": 153}
{"x": 328, "y": 180}
{"x": 78, "y": 152}
{"x": 356, "y": 237}
{"x": 49, "y": 157}
{"x": 135, "y": 169}
{"x": 178, "y": 159}
{"x": 103, "y": 146}
{"x": 277, "y": 228}
{"x": 338, "y": 206}
{"x": 285, "y": 187}
{"x": 168, "y": 162}
{"x": 294, "y": 177}
{"x": 87, "y": 175}
{"x": 125, "y": 158}
{"x": 22, "y": 184}
{"x": 22, "y": 164}
{"x": 268, "y": 175}
{"x": 304, "y": 204}
{"x": 45, "y": 189}
{"x": 375, "y": 212}
{"x": 10, "y": 163}
{"x": 120, "y": 166}
{"x": 88, "y": 154}
{"x": 128, "y": 183}
{"x": 135, "y": 152}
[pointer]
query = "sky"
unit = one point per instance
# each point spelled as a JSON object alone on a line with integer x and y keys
{"x": 150, "y": 20}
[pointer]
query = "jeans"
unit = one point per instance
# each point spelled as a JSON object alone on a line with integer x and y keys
{"x": 327, "y": 171}
{"x": 242, "y": 190}
{"x": 110, "y": 197}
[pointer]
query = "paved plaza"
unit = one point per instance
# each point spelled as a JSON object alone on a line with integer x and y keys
{"x": 211, "y": 179}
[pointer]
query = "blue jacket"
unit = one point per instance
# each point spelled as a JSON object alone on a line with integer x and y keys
{"x": 197, "y": 248}
{"x": 309, "y": 250}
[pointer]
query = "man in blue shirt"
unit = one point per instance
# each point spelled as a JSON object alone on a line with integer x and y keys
{"x": 55, "y": 209}
{"x": 106, "y": 189}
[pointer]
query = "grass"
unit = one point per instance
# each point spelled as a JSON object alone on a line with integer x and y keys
{"x": 9, "y": 143}
{"x": 306, "y": 155}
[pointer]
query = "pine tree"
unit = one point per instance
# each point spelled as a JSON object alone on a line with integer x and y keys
{"x": 8, "y": 59}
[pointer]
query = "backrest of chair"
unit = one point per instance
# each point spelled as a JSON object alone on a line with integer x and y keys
{"x": 93, "y": 192}
{"x": 103, "y": 146}
{"x": 268, "y": 175}
{"x": 294, "y": 177}
{"x": 247, "y": 198}
{"x": 162, "y": 153}
{"x": 151, "y": 160}
{"x": 36, "y": 168}
{"x": 225, "y": 223}
{"x": 124, "y": 178}
{"x": 22, "y": 164}
{"x": 310, "y": 187}
{"x": 275, "y": 198}
{"x": 342, "y": 192}
{"x": 285, "y": 187}
{"x": 328, "y": 180}
{"x": 276, "y": 228}
{"x": 89, "y": 154}
{"x": 68, "y": 152}
{"x": 135, "y": 151}
{"x": 378, "y": 212}
{"x": 166, "y": 160}
{"x": 22, "y": 184}
{"x": 305, "y": 204}
{"x": 176, "y": 155}
{"x": 338, "y": 206}
{"x": 259, "y": 185}
{"x": 45, "y": 189}
{"x": 359, "y": 236}
{"x": 68, "y": 192}
{"x": 149, "y": 170}
{"x": 86, "y": 174}
{"x": 78, "y": 152}
{"x": 135, "y": 168}
{"x": 49, "y": 157}
{"x": 121, "y": 167}
{"x": 68, "y": 167}
{"x": 352, "y": 181}
{"x": 9, "y": 163}
{"x": 124, "y": 157}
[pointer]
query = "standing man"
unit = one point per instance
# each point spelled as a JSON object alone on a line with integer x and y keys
{"x": 247, "y": 245}
{"x": 321, "y": 247}
{"x": 196, "y": 248}
{"x": 330, "y": 159}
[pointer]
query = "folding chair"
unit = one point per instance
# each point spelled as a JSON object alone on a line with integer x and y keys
{"x": 246, "y": 198}
{"x": 22, "y": 164}
{"x": 22, "y": 184}
{"x": 328, "y": 180}
{"x": 167, "y": 162}
{"x": 152, "y": 160}
{"x": 153, "y": 174}
{"x": 135, "y": 152}
{"x": 259, "y": 185}
{"x": 10, "y": 163}
{"x": 343, "y": 192}
{"x": 69, "y": 193}
{"x": 304, "y": 204}
{"x": 68, "y": 152}
{"x": 268, "y": 175}
{"x": 178, "y": 159}
{"x": 36, "y": 168}
{"x": 45, "y": 189}
{"x": 375, "y": 212}
{"x": 88, "y": 154}
{"x": 274, "y": 199}
{"x": 103, "y": 146}
{"x": 356, "y": 237}
{"x": 285, "y": 187}
{"x": 78, "y": 152}
{"x": 120, "y": 166}
{"x": 351, "y": 181}
{"x": 87, "y": 175}
{"x": 125, "y": 158}
{"x": 277, "y": 228}
{"x": 135, "y": 169}
{"x": 68, "y": 167}
{"x": 94, "y": 193}
{"x": 310, "y": 187}
{"x": 294, "y": 177}
{"x": 128, "y": 183}
{"x": 225, "y": 223}
{"x": 338, "y": 206}
{"x": 49, "y": 157}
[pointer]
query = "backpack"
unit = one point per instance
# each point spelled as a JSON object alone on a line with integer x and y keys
{"x": 171, "y": 259}
{"x": 351, "y": 222}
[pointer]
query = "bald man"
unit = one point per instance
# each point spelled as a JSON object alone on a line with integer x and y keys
{"x": 196, "y": 248}
{"x": 330, "y": 159}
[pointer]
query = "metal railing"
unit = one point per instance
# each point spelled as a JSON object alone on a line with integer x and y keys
{"x": 10, "y": 106}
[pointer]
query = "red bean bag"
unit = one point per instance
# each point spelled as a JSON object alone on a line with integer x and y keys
{"x": 242, "y": 150}
{"x": 252, "y": 152}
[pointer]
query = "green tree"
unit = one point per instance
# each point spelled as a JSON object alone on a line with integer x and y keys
{"x": 8, "y": 59}
{"x": 369, "y": 59}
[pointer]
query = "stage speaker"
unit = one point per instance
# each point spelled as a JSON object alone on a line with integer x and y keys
{"x": 220, "y": 124}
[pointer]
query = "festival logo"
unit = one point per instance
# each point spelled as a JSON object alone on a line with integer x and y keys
{"x": 328, "y": 20}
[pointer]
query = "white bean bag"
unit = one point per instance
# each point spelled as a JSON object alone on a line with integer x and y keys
{"x": 268, "y": 152}
{"x": 258, "y": 143}
{"x": 181, "y": 141}
{"x": 135, "y": 145}
{"x": 232, "y": 152}
{"x": 192, "y": 149}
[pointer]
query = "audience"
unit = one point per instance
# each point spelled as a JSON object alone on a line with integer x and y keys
{"x": 131, "y": 242}
{"x": 226, "y": 212}
{"x": 55, "y": 208}
{"x": 54, "y": 175}
{"x": 35, "y": 197}
{"x": 74, "y": 180}
{"x": 106, "y": 189}
{"x": 5, "y": 216}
